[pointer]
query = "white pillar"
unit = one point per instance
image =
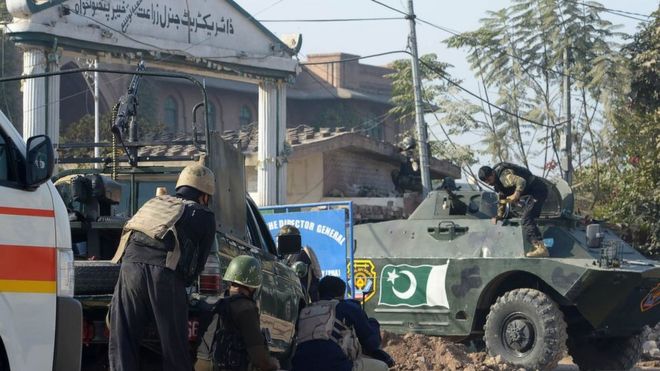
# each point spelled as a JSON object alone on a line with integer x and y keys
{"x": 54, "y": 103}
{"x": 281, "y": 139}
{"x": 267, "y": 145}
{"x": 34, "y": 93}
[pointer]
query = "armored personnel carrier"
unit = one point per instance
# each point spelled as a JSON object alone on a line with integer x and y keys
{"x": 449, "y": 271}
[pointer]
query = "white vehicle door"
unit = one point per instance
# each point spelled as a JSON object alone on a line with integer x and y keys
{"x": 28, "y": 264}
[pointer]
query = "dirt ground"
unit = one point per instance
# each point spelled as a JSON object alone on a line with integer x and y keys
{"x": 414, "y": 352}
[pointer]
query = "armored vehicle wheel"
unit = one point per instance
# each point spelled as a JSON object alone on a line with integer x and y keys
{"x": 526, "y": 328}
{"x": 620, "y": 353}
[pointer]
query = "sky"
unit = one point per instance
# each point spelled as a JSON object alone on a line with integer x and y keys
{"x": 372, "y": 37}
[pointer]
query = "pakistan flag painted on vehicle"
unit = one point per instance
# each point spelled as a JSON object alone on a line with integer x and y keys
{"x": 413, "y": 285}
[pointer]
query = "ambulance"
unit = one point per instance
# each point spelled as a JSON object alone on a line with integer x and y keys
{"x": 40, "y": 321}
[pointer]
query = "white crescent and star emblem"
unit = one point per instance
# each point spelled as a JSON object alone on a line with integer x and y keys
{"x": 392, "y": 276}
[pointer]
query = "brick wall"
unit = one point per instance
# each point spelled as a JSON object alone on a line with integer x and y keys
{"x": 344, "y": 171}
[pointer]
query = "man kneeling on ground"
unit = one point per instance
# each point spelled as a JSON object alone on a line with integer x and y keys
{"x": 233, "y": 340}
{"x": 333, "y": 333}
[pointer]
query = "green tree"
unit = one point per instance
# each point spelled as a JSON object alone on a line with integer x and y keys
{"x": 438, "y": 99}
{"x": 518, "y": 52}
{"x": 403, "y": 98}
{"x": 630, "y": 176}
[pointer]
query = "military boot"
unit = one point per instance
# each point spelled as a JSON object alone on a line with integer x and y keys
{"x": 540, "y": 251}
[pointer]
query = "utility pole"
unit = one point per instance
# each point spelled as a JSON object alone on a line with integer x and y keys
{"x": 422, "y": 141}
{"x": 567, "y": 145}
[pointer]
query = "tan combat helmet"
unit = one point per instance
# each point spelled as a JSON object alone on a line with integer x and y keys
{"x": 199, "y": 177}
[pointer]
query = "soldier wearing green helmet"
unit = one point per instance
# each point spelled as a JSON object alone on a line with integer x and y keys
{"x": 233, "y": 340}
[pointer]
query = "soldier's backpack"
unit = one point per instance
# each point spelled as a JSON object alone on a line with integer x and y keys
{"x": 319, "y": 322}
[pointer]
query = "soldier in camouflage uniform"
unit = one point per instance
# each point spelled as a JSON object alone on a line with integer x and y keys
{"x": 512, "y": 182}
{"x": 163, "y": 249}
{"x": 233, "y": 340}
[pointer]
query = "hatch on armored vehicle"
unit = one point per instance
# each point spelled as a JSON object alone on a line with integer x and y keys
{"x": 449, "y": 271}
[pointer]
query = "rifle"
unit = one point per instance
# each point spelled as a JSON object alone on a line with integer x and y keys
{"x": 125, "y": 113}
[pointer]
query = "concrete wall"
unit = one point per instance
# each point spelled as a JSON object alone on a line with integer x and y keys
{"x": 345, "y": 171}
{"x": 305, "y": 179}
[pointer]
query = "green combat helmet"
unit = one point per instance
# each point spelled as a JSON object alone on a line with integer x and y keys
{"x": 244, "y": 270}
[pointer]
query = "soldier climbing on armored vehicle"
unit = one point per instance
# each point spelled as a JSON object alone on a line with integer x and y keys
{"x": 512, "y": 183}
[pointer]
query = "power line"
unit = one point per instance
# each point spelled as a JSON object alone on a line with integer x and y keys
{"x": 520, "y": 59}
{"x": 459, "y": 33}
{"x": 268, "y": 7}
{"x": 621, "y": 13}
{"x": 504, "y": 110}
{"x": 355, "y": 58}
{"x": 391, "y": 8}
{"x": 329, "y": 20}
{"x": 450, "y": 81}
{"x": 379, "y": 120}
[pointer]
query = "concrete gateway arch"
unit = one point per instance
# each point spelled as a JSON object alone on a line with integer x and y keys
{"x": 214, "y": 38}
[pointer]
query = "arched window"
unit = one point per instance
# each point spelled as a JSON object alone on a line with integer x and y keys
{"x": 170, "y": 114}
{"x": 212, "y": 116}
{"x": 245, "y": 117}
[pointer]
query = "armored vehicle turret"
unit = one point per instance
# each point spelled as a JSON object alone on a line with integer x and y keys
{"x": 449, "y": 271}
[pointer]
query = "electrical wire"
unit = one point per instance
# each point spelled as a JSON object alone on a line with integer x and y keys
{"x": 442, "y": 75}
{"x": 379, "y": 119}
{"x": 391, "y": 8}
{"x": 459, "y": 33}
{"x": 268, "y": 7}
{"x": 621, "y": 13}
{"x": 454, "y": 83}
{"x": 329, "y": 20}
{"x": 355, "y": 58}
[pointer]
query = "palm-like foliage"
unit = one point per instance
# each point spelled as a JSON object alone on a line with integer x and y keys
{"x": 518, "y": 52}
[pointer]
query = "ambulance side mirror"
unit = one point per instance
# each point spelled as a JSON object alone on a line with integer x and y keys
{"x": 40, "y": 161}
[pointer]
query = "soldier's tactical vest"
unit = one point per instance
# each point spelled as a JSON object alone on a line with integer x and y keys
{"x": 319, "y": 322}
{"x": 518, "y": 170}
{"x": 155, "y": 219}
{"x": 228, "y": 350}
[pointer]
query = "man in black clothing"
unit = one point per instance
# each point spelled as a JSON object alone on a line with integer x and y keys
{"x": 512, "y": 182}
{"x": 334, "y": 334}
{"x": 310, "y": 280}
{"x": 163, "y": 249}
